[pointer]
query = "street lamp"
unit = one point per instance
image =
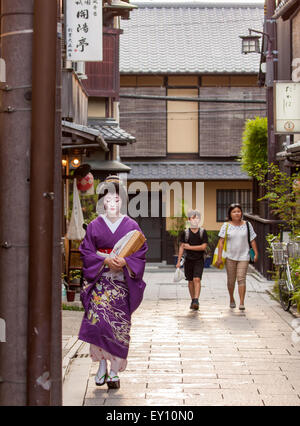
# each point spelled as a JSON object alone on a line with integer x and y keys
{"x": 250, "y": 43}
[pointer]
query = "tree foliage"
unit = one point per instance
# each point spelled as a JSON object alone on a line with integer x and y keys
{"x": 282, "y": 193}
{"x": 178, "y": 225}
{"x": 254, "y": 145}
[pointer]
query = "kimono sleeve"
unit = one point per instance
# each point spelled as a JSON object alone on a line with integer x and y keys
{"x": 92, "y": 262}
{"x": 137, "y": 262}
{"x": 134, "y": 273}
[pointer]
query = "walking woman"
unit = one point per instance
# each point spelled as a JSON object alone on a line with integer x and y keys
{"x": 237, "y": 249}
{"x": 113, "y": 287}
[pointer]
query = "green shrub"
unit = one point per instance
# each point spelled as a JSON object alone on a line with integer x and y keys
{"x": 213, "y": 239}
{"x": 254, "y": 145}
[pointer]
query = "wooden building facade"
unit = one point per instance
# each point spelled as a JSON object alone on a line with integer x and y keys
{"x": 178, "y": 139}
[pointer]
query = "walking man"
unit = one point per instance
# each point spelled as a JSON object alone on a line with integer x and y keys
{"x": 194, "y": 242}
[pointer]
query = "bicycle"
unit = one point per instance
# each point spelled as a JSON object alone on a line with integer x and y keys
{"x": 282, "y": 252}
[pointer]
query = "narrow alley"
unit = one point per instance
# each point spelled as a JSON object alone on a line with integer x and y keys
{"x": 217, "y": 356}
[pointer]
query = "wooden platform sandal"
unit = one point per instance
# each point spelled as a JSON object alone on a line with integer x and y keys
{"x": 101, "y": 380}
{"x": 113, "y": 382}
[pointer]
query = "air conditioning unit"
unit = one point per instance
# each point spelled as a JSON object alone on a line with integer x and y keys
{"x": 79, "y": 68}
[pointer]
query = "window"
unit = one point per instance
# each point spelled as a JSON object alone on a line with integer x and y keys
{"x": 182, "y": 122}
{"x": 225, "y": 197}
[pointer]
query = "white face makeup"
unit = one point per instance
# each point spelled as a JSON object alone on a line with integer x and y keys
{"x": 112, "y": 205}
{"x": 194, "y": 221}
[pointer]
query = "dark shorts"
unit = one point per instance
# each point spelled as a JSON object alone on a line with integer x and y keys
{"x": 193, "y": 269}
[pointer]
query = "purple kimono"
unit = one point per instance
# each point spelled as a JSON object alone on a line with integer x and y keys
{"x": 109, "y": 301}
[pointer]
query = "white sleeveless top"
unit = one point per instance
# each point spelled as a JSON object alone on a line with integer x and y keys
{"x": 237, "y": 240}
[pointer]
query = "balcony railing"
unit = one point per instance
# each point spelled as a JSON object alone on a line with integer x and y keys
{"x": 74, "y": 98}
{"x": 262, "y": 227}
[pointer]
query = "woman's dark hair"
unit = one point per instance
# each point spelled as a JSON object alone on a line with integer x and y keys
{"x": 232, "y": 207}
{"x": 113, "y": 185}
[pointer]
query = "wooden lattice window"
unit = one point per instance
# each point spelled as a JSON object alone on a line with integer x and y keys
{"x": 225, "y": 197}
{"x": 104, "y": 77}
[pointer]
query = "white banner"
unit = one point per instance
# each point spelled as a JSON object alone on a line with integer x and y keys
{"x": 75, "y": 229}
{"x": 84, "y": 30}
{"x": 287, "y": 107}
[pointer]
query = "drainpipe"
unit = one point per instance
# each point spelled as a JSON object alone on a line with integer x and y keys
{"x": 270, "y": 76}
{"x": 56, "y": 332}
{"x": 270, "y": 29}
{"x": 41, "y": 202}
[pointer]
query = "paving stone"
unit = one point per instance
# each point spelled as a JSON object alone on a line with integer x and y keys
{"x": 124, "y": 402}
{"x": 94, "y": 402}
{"x": 269, "y": 379}
{"x": 276, "y": 389}
{"x": 164, "y": 401}
{"x": 214, "y": 397}
{"x": 282, "y": 400}
{"x": 236, "y": 397}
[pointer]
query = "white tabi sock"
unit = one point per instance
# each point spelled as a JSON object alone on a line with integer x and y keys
{"x": 113, "y": 377}
{"x": 101, "y": 370}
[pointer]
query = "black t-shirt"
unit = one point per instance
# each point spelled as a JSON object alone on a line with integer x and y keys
{"x": 194, "y": 240}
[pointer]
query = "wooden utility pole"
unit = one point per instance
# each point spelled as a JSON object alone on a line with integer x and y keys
{"x": 30, "y": 203}
{"x": 39, "y": 380}
{"x": 15, "y": 136}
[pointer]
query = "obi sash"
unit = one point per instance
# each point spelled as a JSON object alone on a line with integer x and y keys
{"x": 107, "y": 251}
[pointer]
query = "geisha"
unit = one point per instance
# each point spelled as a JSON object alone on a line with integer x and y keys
{"x": 113, "y": 287}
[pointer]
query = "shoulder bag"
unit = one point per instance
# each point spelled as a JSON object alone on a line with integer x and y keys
{"x": 251, "y": 251}
{"x": 224, "y": 254}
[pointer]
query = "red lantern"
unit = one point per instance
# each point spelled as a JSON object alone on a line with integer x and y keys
{"x": 85, "y": 183}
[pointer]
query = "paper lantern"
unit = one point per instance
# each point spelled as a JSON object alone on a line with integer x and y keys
{"x": 85, "y": 183}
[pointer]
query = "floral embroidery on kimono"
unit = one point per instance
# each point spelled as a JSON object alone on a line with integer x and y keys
{"x": 109, "y": 299}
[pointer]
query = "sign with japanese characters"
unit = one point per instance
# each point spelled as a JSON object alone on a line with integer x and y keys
{"x": 84, "y": 30}
{"x": 287, "y": 107}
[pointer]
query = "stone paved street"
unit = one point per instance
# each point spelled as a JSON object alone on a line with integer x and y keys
{"x": 179, "y": 357}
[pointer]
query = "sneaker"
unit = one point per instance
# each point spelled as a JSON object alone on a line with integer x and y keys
{"x": 195, "y": 304}
{"x": 242, "y": 307}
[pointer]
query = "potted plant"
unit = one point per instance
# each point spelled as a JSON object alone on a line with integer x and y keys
{"x": 213, "y": 239}
{"x": 70, "y": 295}
{"x": 177, "y": 226}
{"x": 75, "y": 276}
{"x": 74, "y": 282}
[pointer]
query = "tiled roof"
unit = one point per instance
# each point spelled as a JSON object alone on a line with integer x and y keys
{"x": 111, "y": 132}
{"x": 282, "y": 4}
{"x": 112, "y": 166}
{"x": 286, "y": 8}
{"x": 87, "y": 133}
{"x": 180, "y": 170}
{"x": 189, "y": 37}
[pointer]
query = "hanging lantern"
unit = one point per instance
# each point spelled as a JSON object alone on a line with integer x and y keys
{"x": 75, "y": 162}
{"x": 85, "y": 183}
